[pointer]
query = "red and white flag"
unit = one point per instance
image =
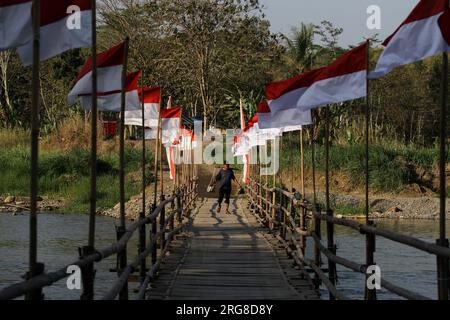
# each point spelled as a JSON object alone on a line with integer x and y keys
{"x": 170, "y": 125}
{"x": 65, "y": 24}
{"x": 151, "y": 99}
{"x": 16, "y": 27}
{"x": 286, "y": 94}
{"x": 285, "y": 120}
{"x": 112, "y": 101}
{"x": 343, "y": 80}
{"x": 109, "y": 73}
{"x": 423, "y": 34}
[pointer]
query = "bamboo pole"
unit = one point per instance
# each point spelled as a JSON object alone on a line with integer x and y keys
{"x": 33, "y": 264}
{"x": 291, "y": 158}
{"x": 370, "y": 239}
{"x": 122, "y": 137}
{"x": 142, "y": 245}
{"x": 443, "y": 264}
{"x": 157, "y": 155}
{"x": 313, "y": 158}
{"x": 121, "y": 229}
{"x": 302, "y": 163}
{"x": 330, "y": 226}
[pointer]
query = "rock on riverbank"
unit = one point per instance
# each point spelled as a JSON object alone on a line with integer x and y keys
{"x": 391, "y": 207}
{"x": 16, "y": 204}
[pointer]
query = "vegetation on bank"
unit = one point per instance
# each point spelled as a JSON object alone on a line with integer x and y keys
{"x": 392, "y": 167}
{"x": 65, "y": 174}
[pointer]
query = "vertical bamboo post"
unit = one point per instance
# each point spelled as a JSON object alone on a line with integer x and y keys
{"x": 88, "y": 271}
{"x": 443, "y": 263}
{"x": 122, "y": 256}
{"x": 330, "y": 226}
{"x": 35, "y": 268}
{"x": 370, "y": 294}
{"x": 291, "y": 159}
{"x": 142, "y": 271}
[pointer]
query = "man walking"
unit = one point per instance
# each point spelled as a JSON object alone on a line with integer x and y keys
{"x": 225, "y": 178}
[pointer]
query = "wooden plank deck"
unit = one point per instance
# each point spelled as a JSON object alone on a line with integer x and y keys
{"x": 228, "y": 259}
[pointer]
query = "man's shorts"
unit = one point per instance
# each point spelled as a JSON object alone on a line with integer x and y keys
{"x": 224, "y": 193}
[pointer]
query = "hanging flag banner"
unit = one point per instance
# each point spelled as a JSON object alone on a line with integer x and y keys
{"x": 151, "y": 101}
{"x": 423, "y": 34}
{"x": 112, "y": 101}
{"x": 171, "y": 160}
{"x": 109, "y": 74}
{"x": 16, "y": 26}
{"x": 343, "y": 80}
{"x": 65, "y": 24}
{"x": 170, "y": 125}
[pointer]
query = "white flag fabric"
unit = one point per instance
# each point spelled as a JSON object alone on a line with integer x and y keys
{"x": 65, "y": 24}
{"x": 151, "y": 133}
{"x": 109, "y": 74}
{"x": 112, "y": 101}
{"x": 16, "y": 27}
{"x": 423, "y": 34}
{"x": 285, "y": 120}
{"x": 343, "y": 80}
{"x": 151, "y": 101}
{"x": 171, "y": 125}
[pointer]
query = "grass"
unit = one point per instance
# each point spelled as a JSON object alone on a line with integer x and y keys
{"x": 392, "y": 168}
{"x": 66, "y": 175}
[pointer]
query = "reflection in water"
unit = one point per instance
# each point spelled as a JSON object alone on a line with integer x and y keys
{"x": 59, "y": 238}
{"x": 61, "y": 235}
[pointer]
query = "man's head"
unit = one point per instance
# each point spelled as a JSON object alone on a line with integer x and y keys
{"x": 226, "y": 166}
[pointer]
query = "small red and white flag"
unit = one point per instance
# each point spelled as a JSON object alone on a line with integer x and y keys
{"x": 343, "y": 80}
{"x": 424, "y": 33}
{"x": 285, "y": 120}
{"x": 109, "y": 73}
{"x": 16, "y": 27}
{"x": 170, "y": 125}
{"x": 151, "y": 99}
{"x": 112, "y": 101}
{"x": 65, "y": 24}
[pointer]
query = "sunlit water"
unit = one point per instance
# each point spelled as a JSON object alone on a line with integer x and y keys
{"x": 404, "y": 266}
{"x": 61, "y": 235}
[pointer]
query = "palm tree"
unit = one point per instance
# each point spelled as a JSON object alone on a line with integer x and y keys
{"x": 300, "y": 49}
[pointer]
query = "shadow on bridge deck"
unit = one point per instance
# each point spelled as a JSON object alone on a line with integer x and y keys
{"x": 228, "y": 259}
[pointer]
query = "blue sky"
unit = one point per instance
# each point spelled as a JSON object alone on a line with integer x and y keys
{"x": 348, "y": 14}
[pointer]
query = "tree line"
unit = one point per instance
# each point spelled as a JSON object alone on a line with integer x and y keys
{"x": 209, "y": 54}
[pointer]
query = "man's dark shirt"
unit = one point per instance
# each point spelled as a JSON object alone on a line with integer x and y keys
{"x": 225, "y": 178}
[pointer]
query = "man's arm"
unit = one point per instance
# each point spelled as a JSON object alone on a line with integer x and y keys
{"x": 218, "y": 176}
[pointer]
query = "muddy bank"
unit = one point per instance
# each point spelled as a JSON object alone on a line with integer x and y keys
{"x": 17, "y": 204}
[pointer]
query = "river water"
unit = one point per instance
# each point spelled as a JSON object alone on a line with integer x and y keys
{"x": 61, "y": 235}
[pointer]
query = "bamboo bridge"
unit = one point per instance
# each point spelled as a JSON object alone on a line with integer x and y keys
{"x": 258, "y": 252}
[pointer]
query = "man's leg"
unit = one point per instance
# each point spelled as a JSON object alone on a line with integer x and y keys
{"x": 221, "y": 196}
{"x": 227, "y": 202}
